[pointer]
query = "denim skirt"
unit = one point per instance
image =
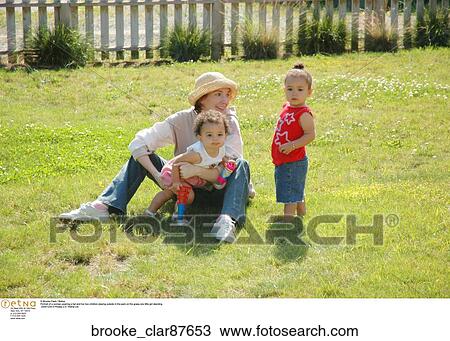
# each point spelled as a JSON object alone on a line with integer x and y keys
{"x": 290, "y": 179}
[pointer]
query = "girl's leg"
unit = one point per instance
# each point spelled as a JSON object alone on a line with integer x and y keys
{"x": 289, "y": 209}
{"x": 301, "y": 208}
{"x": 191, "y": 197}
{"x": 160, "y": 199}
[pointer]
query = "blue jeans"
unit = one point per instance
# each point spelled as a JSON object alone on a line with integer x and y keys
{"x": 290, "y": 179}
{"x": 123, "y": 187}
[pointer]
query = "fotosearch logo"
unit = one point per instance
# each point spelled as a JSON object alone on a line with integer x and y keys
{"x": 17, "y": 304}
{"x": 196, "y": 229}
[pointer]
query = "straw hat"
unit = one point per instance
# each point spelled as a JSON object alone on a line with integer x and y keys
{"x": 209, "y": 82}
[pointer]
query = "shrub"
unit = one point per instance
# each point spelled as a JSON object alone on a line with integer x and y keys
{"x": 380, "y": 39}
{"x": 258, "y": 44}
{"x": 433, "y": 30}
{"x": 186, "y": 44}
{"x": 62, "y": 47}
{"x": 322, "y": 37}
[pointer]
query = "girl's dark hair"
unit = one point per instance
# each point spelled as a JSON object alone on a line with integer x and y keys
{"x": 210, "y": 116}
{"x": 299, "y": 71}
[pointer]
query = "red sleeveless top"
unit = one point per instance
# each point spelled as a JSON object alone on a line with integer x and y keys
{"x": 288, "y": 129}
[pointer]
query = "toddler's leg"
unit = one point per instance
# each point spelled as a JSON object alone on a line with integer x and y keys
{"x": 301, "y": 208}
{"x": 191, "y": 197}
{"x": 289, "y": 209}
{"x": 160, "y": 199}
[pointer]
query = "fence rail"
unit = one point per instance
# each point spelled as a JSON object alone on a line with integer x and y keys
{"x": 142, "y": 25}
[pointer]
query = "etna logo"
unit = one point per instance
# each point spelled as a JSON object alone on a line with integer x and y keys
{"x": 17, "y": 304}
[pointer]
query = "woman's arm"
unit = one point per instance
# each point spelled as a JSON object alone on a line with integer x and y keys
{"x": 188, "y": 170}
{"x": 309, "y": 129}
{"x": 144, "y": 160}
{"x": 190, "y": 158}
{"x": 148, "y": 140}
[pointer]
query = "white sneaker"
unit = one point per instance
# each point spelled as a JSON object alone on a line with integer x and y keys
{"x": 224, "y": 229}
{"x": 85, "y": 212}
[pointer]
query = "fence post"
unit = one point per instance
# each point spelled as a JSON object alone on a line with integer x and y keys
{"x": 288, "y": 43}
{"x": 276, "y": 20}
{"x": 329, "y": 6}
{"x": 56, "y": 12}
{"x": 316, "y": 10}
{"x": 394, "y": 19}
{"x": 379, "y": 8}
{"x": 11, "y": 31}
{"x": 89, "y": 22}
{"x": 178, "y": 15}
{"x": 162, "y": 29}
{"x": 74, "y": 15}
{"x": 120, "y": 35}
{"x": 249, "y": 11}
{"x": 26, "y": 19}
{"x": 234, "y": 28}
{"x": 343, "y": 9}
{"x": 149, "y": 31}
{"x": 420, "y": 11}
{"x": 218, "y": 22}
{"x": 42, "y": 11}
{"x": 367, "y": 20}
{"x": 355, "y": 25}
{"x": 134, "y": 29}
{"x": 65, "y": 13}
{"x": 407, "y": 41}
{"x": 192, "y": 15}
{"x": 302, "y": 20}
{"x": 262, "y": 16}
{"x": 433, "y": 6}
{"x": 104, "y": 30}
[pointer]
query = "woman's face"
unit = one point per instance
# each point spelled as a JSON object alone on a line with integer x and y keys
{"x": 216, "y": 100}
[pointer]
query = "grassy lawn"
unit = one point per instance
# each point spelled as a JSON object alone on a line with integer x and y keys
{"x": 382, "y": 147}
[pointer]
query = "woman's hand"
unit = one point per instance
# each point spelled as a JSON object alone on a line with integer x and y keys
{"x": 287, "y": 148}
{"x": 159, "y": 181}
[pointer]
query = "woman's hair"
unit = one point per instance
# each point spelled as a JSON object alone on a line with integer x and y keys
{"x": 299, "y": 71}
{"x": 198, "y": 105}
{"x": 210, "y": 116}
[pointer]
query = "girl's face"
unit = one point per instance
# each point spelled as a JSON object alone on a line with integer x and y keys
{"x": 296, "y": 90}
{"x": 212, "y": 135}
{"x": 216, "y": 100}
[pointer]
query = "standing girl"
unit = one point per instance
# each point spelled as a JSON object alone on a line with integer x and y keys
{"x": 295, "y": 129}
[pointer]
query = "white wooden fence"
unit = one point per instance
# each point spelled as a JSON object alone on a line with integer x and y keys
{"x": 141, "y": 25}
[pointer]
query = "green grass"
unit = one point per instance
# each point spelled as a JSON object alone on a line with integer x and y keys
{"x": 382, "y": 147}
